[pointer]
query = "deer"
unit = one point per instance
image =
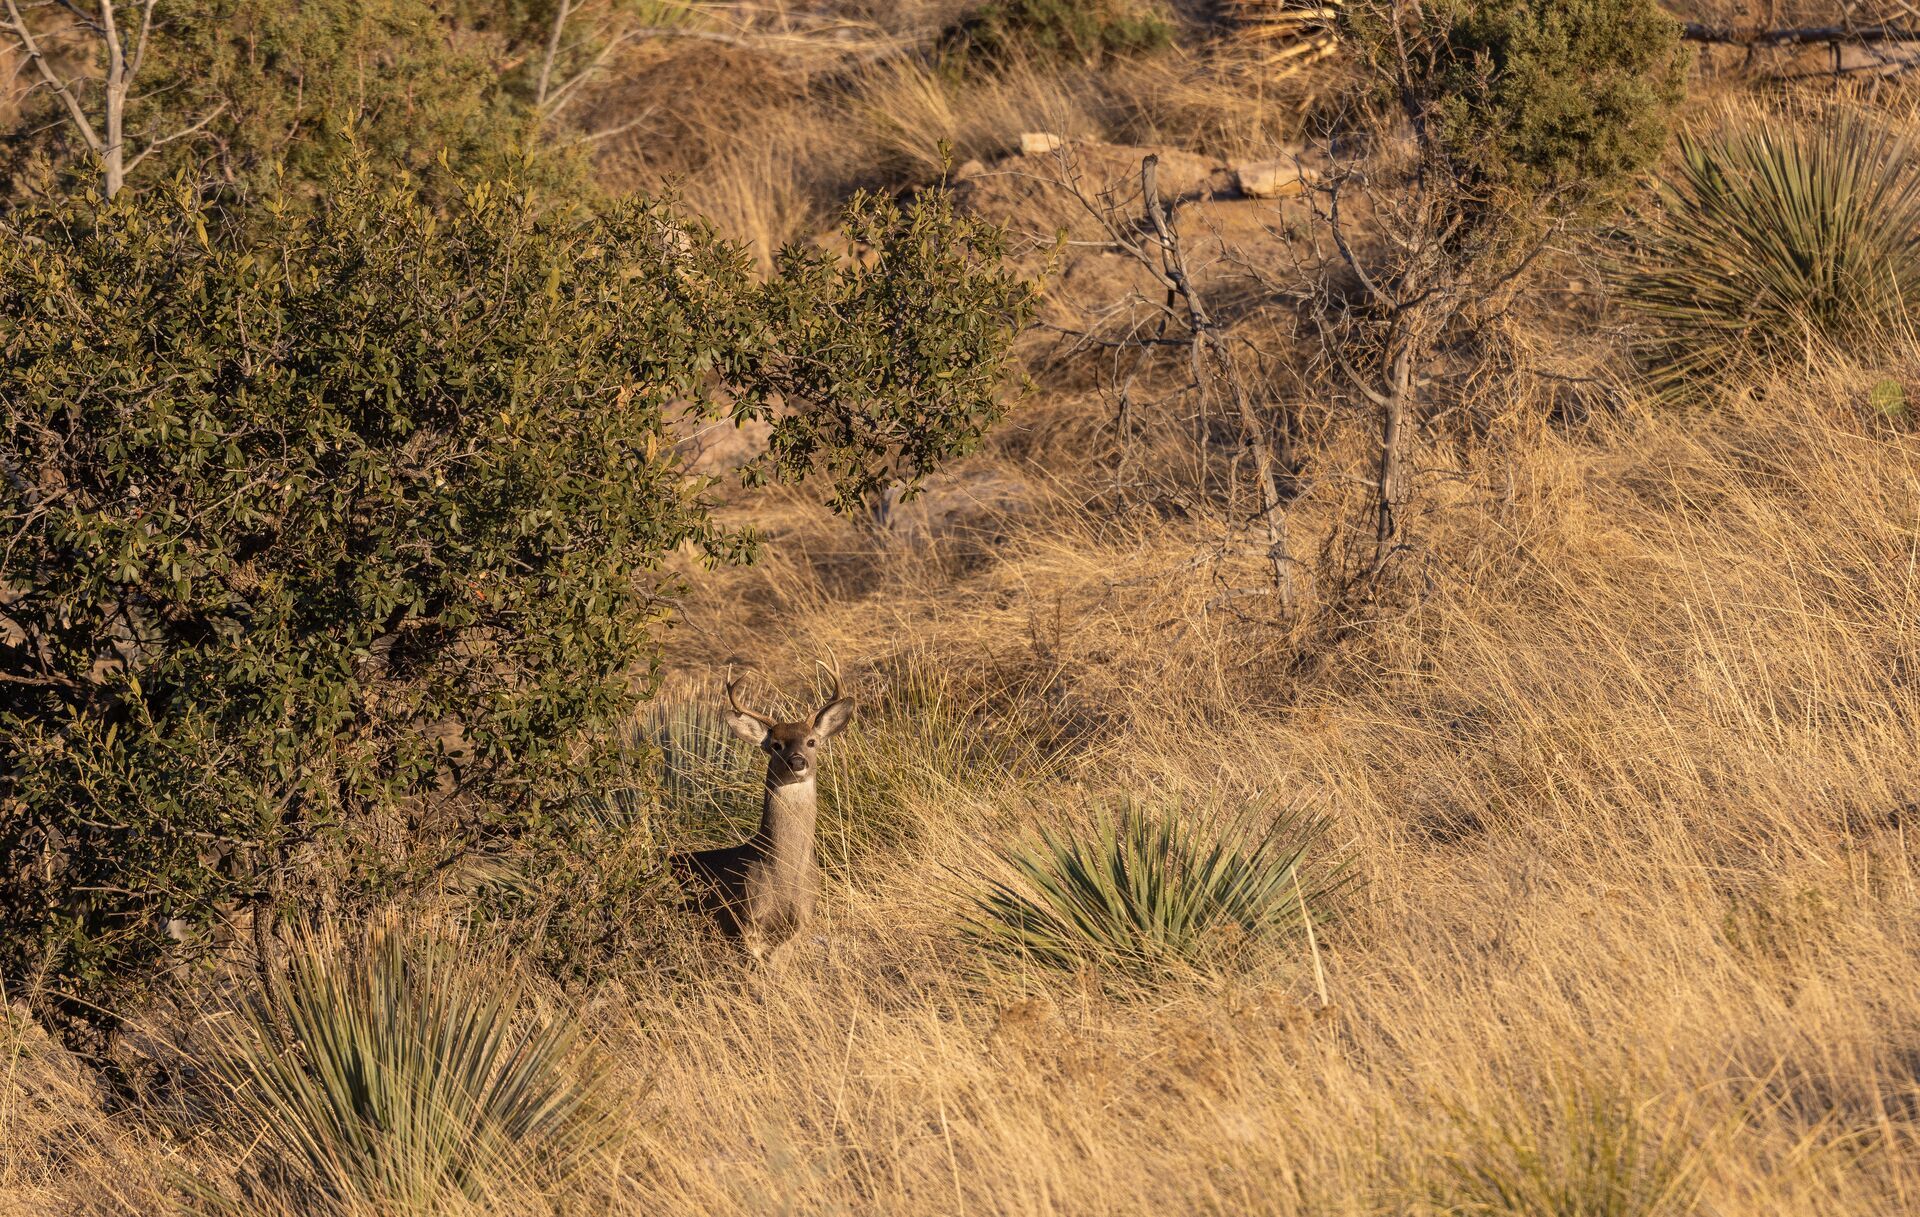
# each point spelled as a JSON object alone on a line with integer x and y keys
{"x": 763, "y": 890}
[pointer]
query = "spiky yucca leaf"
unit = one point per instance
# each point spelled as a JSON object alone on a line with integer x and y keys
{"x": 1145, "y": 889}
{"x": 705, "y": 772}
{"x": 412, "y": 1079}
{"x": 1772, "y": 236}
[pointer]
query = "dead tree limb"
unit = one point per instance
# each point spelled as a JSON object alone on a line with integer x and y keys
{"x": 1210, "y": 345}
{"x": 554, "y": 34}
{"x": 1717, "y": 35}
{"x": 17, "y": 26}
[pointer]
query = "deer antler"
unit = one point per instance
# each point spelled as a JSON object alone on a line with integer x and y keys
{"x": 733, "y": 682}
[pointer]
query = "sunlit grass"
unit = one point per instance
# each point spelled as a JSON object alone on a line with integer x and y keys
{"x": 1586, "y": 1150}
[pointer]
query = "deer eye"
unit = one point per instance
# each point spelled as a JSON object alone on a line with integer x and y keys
{"x": 810, "y": 743}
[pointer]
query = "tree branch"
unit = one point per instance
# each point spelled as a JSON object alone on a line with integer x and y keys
{"x": 560, "y": 16}
{"x": 140, "y": 50}
{"x": 1694, "y": 31}
{"x": 18, "y": 25}
{"x": 594, "y": 137}
{"x": 1207, "y": 342}
{"x": 182, "y": 133}
{"x": 559, "y": 99}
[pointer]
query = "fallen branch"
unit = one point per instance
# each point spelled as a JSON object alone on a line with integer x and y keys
{"x": 1694, "y": 31}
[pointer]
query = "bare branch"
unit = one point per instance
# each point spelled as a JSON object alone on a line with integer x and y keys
{"x": 140, "y": 51}
{"x": 113, "y": 149}
{"x": 85, "y": 18}
{"x": 594, "y": 137}
{"x": 31, "y": 46}
{"x": 1694, "y": 31}
{"x": 724, "y": 39}
{"x": 1207, "y": 342}
{"x": 562, "y": 96}
{"x": 1358, "y": 381}
{"x": 182, "y": 133}
{"x": 1347, "y": 255}
{"x": 560, "y": 16}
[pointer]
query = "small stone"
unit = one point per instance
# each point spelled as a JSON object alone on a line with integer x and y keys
{"x": 1274, "y": 179}
{"x": 969, "y": 169}
{"x": 1039, "y": 143}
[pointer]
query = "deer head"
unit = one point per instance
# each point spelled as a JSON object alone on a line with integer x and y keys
{"x": 791, "y": 748}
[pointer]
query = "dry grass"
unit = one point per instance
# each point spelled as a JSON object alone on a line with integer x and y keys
{"x": 1633, "y": 797}
{"x": 1630, "y": 789}
{"x": 773, "y": 146}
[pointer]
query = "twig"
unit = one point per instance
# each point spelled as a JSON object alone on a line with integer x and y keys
{"x": 1313, "y": 944}
{"x": 182, "y": 133}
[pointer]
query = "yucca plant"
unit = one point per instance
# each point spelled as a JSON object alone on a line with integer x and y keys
{"x": 705, "y": 772}
{"x": 403, "y": 1077}
{"x": 1588, "y": 1151}
{"x": 1772, "y": 237}
{"x": 1144, "y": 890}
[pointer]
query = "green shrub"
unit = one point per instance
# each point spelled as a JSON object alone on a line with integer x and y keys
{"x": 585, "y": 897}
{"x": 259, "y": 80}
{"x": 1771, "y": 237}
{"x": 308, "y": 527}
{"x": 1537, "y": 107}
{"x": 1588, "y": 1151}
{"x": 415, "y": 1079}
{"x": 334, "y": 536}
{"x": 1146, "y": 890}
{"x": 1004, "y": 32}
{"x": 888, "y": 360}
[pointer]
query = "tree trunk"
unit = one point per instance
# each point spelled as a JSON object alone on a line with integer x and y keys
{"x": 1391, "y": 484}
{"x": 113, "y": 146}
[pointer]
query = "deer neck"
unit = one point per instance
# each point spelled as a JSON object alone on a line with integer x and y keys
{"x": 786, "y": 823}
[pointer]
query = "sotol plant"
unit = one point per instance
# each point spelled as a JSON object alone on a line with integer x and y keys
{"x": 704, "y": 772}
{"x": 410, "y": 1079}
{"x": 1145, "y": 889}
{"x": 1771, "y": 236}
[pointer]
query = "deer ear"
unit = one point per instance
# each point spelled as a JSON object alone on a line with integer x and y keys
{"x": 747, "y": 727}
{"x": 833, "y": 717}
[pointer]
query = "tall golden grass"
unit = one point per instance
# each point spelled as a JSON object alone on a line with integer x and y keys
{"x": 1632, "y": 796}
{"x": 779, "y": 153}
